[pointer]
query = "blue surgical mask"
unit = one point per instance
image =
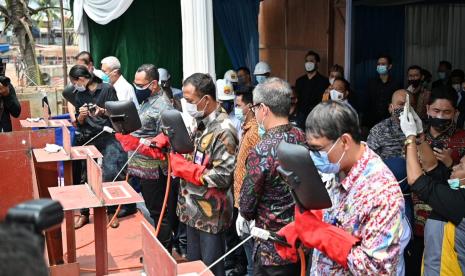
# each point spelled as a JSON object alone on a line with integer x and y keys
{"x": 454, "y": 183}
{"x": 105, "y": 78}
{"x": 322, "y": 162}
{"x": 382, "y": 69}
{"x": 260, "y": 78}
{"x": 261, "y": 128}
{"x": 239, "y": 114}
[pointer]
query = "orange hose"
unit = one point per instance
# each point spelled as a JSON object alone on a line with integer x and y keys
{"x": 303, "y": 268}
{"x": 165, "y": 200}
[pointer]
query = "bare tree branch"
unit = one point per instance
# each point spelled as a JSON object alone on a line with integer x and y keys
{"x": 4, "y": 11}
{"x": 36, "y": 11}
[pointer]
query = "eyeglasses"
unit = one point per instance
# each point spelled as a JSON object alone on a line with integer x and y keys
{"x": 255, "y": 107}
{"x": 142, "y": 86}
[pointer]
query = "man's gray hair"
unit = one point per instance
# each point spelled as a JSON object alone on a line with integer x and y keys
{"x": 332, "y": 119}
{"x": 276, "y": 94}
{"x": 112, "y": 62}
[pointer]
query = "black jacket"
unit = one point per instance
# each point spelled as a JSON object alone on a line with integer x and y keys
{"x": 11, "y": 107}
{"x": 448, "y": 204}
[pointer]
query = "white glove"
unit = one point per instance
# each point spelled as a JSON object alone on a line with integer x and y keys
{"x": 407, "y": 124}
{"x": 418, "y": 122}
{"x": 240, "y": 225}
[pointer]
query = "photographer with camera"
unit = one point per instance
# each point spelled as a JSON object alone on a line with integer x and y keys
{"x": 91, "y": 96}
{"x": 9, "y": 104}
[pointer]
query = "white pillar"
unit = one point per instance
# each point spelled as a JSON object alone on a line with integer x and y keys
{"x": 198, "y": 47}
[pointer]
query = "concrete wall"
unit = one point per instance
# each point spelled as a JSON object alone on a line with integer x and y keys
{"x": 289, "y": 28}
{"x": 34, "y": 96}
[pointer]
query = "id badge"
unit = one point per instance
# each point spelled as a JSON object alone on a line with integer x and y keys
{"x": 199, "y": 157}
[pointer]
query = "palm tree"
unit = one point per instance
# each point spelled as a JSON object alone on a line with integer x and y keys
{"x": 48, "y": 14}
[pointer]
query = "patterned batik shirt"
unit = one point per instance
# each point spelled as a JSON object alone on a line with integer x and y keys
{"x": 387, "y": 139}
{"x": 265, "y": 196}
{"x": 209, "y": 208}
{"x": 368, "y": 204}
{"x": 150, "y": 114}
{"x": 453, "y": 139}
{"x": 249, "y": 140}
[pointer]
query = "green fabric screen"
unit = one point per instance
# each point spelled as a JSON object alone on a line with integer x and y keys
{"x": 149, "y": 32}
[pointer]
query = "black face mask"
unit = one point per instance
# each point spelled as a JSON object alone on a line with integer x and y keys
{"x": 440, "y": 124}
{"x": 414, "y": 83}
{"x": 228, "y": 106}
{"x": 142, "y": 95}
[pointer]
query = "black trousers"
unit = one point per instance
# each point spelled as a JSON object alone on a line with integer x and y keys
{"x": 153, "y": 192}
{"x": 206, "y": 247}
{"x": 282, "y": 270}
{"x": 232, "y": 239}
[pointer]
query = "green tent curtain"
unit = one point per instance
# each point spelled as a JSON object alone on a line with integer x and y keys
{"x": 149, "y": 32}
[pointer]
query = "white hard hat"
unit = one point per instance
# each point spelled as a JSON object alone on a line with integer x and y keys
{"x": 224, "y": 90}
{"x": 164, "y": 74}
{"x": 262, "y": 68}
{"x": 230, "y": 76}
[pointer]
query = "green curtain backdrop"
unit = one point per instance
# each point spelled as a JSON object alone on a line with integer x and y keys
{"x": 149, "y": 32}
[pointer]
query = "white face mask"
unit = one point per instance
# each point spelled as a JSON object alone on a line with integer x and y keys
{"x": 192, "y": 110}
{"x": 331, "y": 80}
{"x": 457, "y": 87}
{"x": 336, "y": 95}
{"x": 79, "y": 88}
{"x": 309, "y": 66}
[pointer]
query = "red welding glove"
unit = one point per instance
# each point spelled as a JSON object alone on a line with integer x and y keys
{"x": 186, "y": 170}
{"x": 290, "y": 234}
{"x": 128, "y": 142}
{"x": 155, "y": 153}
{"x": 161, "y": 141}
{"x": 334, "y": 242}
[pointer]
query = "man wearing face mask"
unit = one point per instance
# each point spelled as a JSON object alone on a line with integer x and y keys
{"x": 379, "y": 92}
{"x": 264, "y": 196}
{"x": 150, "y": 172}
{"x": 360, "y": 233}
{"x": 448, "y": 144}
{"x": 243, "y": 77}
{"x": 111, "y": 67}
{"x": 311, "y": 86}
{"x": 386, "y": 137}
{"x": 205, "y": 201}
{"x": 444, "y": 69}
{"x": 249, "y": 140}
{"x": 444, "y": 191}
{"x": 419, "y": 95}
{"x": 262, "y": 72}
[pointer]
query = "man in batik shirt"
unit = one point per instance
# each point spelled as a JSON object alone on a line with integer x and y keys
{"x": 205, "y": 202}
{"x": 359, "y": 234}
{"x": 264, "y": 196}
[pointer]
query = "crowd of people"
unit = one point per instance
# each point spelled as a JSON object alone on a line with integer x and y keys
{"x": 398, "y": 199}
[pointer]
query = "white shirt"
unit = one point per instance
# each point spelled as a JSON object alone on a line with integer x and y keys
{"x": 125, "y": 91}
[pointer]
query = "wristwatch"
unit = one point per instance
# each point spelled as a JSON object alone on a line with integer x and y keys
{"x": 409, "y": 141}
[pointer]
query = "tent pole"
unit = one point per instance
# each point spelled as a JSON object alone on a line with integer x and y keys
{"x": 63, "y": 45}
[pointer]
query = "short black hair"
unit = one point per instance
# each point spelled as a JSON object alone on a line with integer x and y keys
{"x": 314, "y": 54}
{"x": 414, "y": 67}
{"x": 151, "y": 72}
{"x": 446, "y": 63}
{"x": 86, "y": 56}
{"x": 247, "y": 94}
{"x": 243, "y": 68}
{"x": 20, "y": 252}
{"x": 457, "y": 73}
{"x": 444, "y": 92}
{"x": 337, "y": 68}
{"x": 346, "y": 83}
{"x": 5, "y": 81}
{"x": 332, "y": 119}
{"x": 386, "y": 56}
{"x": 203, "y": 84}
{"x": 81, "y": 71}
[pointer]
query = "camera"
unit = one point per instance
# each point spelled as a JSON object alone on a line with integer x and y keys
{"x": 92, "y": 108}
